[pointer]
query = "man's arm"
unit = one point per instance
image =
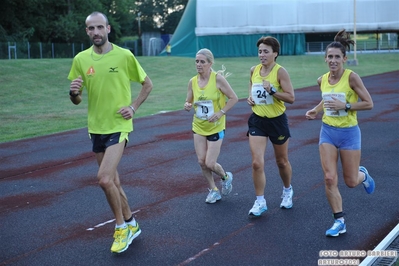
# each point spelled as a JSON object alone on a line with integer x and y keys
{"x": 145, "y": 91}
{"x": 75, "y": 92}
{"x": 129, "y": 111}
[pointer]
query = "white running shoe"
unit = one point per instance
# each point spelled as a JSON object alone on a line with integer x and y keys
{"x": 258, "y": 208}
{"x": 227, "y": 185}
{"x": 213, "y": 196}
{"x": 287, "y": 199}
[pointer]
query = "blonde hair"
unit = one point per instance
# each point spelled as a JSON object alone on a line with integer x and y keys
{"x": 223, "y": 72}
{"x": 211, "y": 59}
{"x": 208, "y": 54}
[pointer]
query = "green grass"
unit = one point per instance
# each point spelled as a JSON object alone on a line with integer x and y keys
{"x": 35, "y": 102}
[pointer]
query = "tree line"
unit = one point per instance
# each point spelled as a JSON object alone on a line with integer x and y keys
{"x": 63, "y": 21}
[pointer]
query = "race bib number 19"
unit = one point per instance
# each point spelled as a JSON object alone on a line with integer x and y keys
{"x": 204, "y": 109}
{"x": 260, "y": 95}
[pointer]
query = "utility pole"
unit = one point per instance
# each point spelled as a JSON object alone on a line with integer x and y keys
{"x": 139, "y": 21}
{"x": 139, "y": 41}
{"x": 355, "y": 63}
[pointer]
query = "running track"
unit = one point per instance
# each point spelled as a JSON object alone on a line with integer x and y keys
{"x": 52, "y": 212}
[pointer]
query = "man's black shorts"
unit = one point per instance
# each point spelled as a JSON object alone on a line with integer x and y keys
{"x": 102, "y": 141}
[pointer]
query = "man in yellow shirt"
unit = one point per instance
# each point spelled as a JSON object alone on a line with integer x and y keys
{"x": 105, "y": 71}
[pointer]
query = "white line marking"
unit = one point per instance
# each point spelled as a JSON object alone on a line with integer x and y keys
{"x": 104, "y": 223}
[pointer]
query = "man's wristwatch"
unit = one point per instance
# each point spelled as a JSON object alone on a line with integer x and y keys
{"x": 73, "y": 94}
{"x": 347, "y": 107}
{"x": 272, "y": 91}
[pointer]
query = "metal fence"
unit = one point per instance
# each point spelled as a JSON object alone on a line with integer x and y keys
{"x": 26, "y": 50}
{"x": 361, "y": 46}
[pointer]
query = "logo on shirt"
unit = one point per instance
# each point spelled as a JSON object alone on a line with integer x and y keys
{"x": 91, "y": 72}
{"x": 201, "y": 98}
{"x": 113, "y": 70}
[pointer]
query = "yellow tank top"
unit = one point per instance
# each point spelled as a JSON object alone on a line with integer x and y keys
{"x": 207, "y": 101}
{"x": 265, "y": 104}
{"x": 344, "y": 93}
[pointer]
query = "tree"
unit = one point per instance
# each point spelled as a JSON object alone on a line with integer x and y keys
{"x": 64, "y": 21}
{"x": 171, "y": 21}
{"x": 162, "y": 15}
{"x": 12, "y": 21}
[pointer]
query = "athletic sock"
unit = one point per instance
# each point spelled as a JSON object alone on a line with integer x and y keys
{"x": 365, "y": 177}
{"x": 129, "y": 220}
{"x": 260, "y": 198}
{"x": 133, "y": 222}
{"x": 121, "y": 225}
{"x": 339, "y": 215}
{"x": 288, "y": 189}
{"x": 225, "y": 177}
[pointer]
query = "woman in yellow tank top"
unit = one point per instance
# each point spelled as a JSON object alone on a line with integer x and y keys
{"x": 340, "y": 134}
{"x": 269, "y": 89}
{"x": 207, "y": 91}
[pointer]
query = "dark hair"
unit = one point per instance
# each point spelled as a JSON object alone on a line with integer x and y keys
{"x": 341, "y": 41}
{"x": 272, "y": 42}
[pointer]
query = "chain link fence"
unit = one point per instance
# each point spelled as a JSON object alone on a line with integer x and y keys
{"x": 26, "y": 50}
{"x": 361, "y": 46}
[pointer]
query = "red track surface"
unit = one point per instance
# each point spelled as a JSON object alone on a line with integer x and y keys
{"x": 52, "y": 211}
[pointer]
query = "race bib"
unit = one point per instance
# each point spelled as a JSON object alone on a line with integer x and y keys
{"x": 204, "y": 109}
{"x": 260, "y": 95}
{"x": 340, "y": 96}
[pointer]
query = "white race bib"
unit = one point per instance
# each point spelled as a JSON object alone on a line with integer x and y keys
{"x": 260, "y": 95}
{"x": 204, "y": 109}
{"x": 340, "y": 96}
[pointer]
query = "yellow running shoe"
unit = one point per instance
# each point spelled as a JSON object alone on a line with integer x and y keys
{"x": 134, "y": 230}
{"x": 121, "y": 240}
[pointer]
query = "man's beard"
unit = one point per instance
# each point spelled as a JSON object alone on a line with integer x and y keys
{"x": 99, "y": 44}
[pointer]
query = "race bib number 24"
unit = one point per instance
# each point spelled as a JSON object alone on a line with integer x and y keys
{"x": 260, "y": 95}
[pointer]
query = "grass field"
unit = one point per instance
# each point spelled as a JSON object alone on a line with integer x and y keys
{"x": 35, "y": 102}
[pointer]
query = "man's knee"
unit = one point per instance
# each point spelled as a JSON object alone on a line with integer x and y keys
{"x": 105, "y": 181}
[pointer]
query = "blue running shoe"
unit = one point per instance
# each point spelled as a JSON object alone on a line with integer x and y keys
{"x": 368, "y": 183}
{"x": 337, "y": 229}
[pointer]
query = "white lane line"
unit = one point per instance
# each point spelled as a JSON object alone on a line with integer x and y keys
{"x": 204, "y": 251}
{"x": 104, "y": 223}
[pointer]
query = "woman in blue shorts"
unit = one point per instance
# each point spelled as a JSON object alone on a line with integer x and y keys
{"x": 340, "y": 134}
